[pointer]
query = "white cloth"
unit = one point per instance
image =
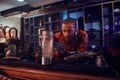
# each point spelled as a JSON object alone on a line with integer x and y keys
{"x": 2, "y": 40}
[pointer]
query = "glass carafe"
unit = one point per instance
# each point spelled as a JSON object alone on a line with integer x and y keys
{"x": 47, "y": 47}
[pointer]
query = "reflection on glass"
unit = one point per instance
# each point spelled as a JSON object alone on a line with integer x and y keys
{"x": 80, "y": 14}
{"x": 93, "y": 25}
{"x": 73, "y": 14}
{"x": 64, "y": 15}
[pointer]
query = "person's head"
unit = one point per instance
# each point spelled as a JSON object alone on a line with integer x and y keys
{"x": 69, "y": 28}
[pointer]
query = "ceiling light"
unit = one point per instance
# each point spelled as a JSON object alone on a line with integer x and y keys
{"x": 20, "y": 0}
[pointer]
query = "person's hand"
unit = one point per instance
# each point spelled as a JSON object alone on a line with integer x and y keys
{"x": 57, "y": 53}
{"x": 80, "y": 55}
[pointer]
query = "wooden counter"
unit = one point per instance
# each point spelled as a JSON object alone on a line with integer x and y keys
{"x": 39, "y": 74}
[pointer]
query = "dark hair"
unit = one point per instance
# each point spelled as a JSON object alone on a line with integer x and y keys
{"x": 69, "y": 20}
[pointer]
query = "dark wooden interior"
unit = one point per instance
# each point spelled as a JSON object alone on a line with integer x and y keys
{"x": 93, "y": 11}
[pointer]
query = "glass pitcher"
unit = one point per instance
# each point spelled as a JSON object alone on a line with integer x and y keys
{"x": 47, "y": 47}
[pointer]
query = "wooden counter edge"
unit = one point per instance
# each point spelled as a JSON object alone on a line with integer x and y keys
{"x": 28, "y": 73}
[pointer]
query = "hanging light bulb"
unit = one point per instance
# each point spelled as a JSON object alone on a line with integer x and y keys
{"x": 20, "y": 0}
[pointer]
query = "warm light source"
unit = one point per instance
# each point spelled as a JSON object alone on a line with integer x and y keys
{"x": 20, "y": 0}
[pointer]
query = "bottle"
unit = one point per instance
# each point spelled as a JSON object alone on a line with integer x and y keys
{"x": 47, "y": 47}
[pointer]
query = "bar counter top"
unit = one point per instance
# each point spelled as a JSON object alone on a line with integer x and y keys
{"x": 57, "y": 71}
